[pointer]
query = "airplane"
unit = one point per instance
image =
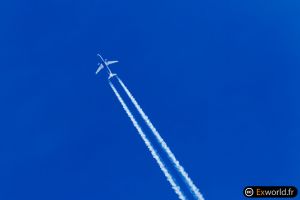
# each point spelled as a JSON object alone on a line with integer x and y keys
{"x": 104, "y": 64}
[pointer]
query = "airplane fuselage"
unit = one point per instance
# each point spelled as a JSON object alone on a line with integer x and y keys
{"x": 107, "y": 68}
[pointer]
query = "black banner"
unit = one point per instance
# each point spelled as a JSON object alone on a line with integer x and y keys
{"x": 270, "y": 191}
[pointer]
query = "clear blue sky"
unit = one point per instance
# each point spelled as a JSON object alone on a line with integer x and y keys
{"x": 219, "y": 79}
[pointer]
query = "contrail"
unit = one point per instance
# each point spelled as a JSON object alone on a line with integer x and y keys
{"x": 193, "y": 188}
{"x": 162, "y": 166}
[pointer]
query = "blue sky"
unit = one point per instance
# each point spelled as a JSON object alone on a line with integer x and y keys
{"x": 219, "y": 79}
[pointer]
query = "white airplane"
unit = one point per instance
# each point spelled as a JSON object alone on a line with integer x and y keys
{"x": 104, "y": 64}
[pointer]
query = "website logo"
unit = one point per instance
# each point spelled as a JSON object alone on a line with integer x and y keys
{"x": 270, "y": 191}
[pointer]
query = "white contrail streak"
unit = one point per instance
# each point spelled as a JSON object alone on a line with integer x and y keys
{"x": 195, "y": 191}
{"x": 162, "y": 166}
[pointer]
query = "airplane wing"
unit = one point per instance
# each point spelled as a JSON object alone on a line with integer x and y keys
{"x": 99, "y": 68}
{"x": 111, "y": 62}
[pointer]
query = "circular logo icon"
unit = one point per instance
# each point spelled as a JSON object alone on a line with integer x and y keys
{"x": 248, "y": 192}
